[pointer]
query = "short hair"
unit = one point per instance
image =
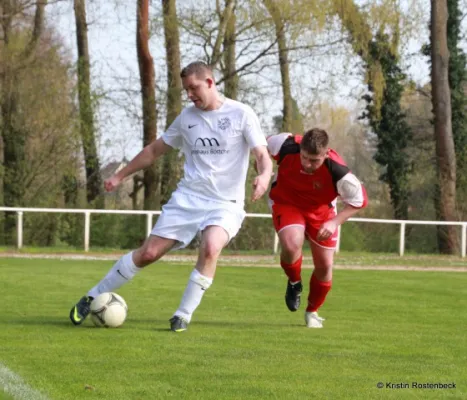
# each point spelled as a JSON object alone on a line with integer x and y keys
{"x": 314, "y": 141}
{"x": 198, "y": 68}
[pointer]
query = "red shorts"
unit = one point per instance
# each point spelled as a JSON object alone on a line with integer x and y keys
{"x": 286, "y": 215}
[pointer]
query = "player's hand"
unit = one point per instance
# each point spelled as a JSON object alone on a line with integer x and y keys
{"x": 260, "y": 185}
{"x": 326, "y": 230}
{"x": 111, "y": 183}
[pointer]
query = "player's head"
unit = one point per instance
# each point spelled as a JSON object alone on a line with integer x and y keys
{"x": 313, "y": 149}
{"x": 198, "y": 81}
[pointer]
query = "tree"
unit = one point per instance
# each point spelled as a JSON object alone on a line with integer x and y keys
{"x": 389, "y": 124}
{"x": 385, "y": 78}
{"x": 151, "y": 178}
{"x": 87, "y": 128}
{"x": 229, "y": 67}
{"x": 172, "y": 168}
{"x": 445, "y": 153}
{"x": 296, "y": 127}
{"x": 206, "y": 28}
{"x": 458, "y": 86}
{"x": 224, "y": 18}
{"x": 16, "y": 55}
{"x": 289, "y": 123}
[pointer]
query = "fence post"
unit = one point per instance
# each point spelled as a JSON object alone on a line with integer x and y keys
{"x": 19, "y": 230}
{"x": 148, "y": 223}
{"x": 464, "y": 239}
{"x": 402, "y": 239}
{"x": 87, "y": 229}
{"x": 276, "y": 242}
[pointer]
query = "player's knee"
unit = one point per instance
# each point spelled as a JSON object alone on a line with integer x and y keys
{"x": 292, "y": 248}
{"x": 323, "y": 273}
{"x": 148, "y": 254}
{"x": 211, "y": 251}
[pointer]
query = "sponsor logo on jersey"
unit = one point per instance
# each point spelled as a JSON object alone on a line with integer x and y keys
{"x": 207, "y": 142}
{"x": 208, "y": 146}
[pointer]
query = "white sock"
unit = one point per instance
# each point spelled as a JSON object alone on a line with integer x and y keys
{"x": 193, "y": 294}
{"x": 123, "y": 271}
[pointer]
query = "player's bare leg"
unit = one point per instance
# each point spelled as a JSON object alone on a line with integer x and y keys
{"x": 213, "y": 240}
{"x": 291, "y": 239}
{"x": 320, "y": 283}
{"x": 122, "y": 271}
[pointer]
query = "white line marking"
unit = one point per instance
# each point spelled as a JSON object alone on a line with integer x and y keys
{"x": 14, "y": 385}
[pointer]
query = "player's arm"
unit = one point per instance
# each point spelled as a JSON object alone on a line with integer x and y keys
{"x": 263, "y": 166}
{"x": 142, "y": 160}
{"x": 354, "y": 197}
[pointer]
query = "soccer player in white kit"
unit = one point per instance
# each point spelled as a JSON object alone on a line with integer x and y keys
{"x": 215, "y": 135}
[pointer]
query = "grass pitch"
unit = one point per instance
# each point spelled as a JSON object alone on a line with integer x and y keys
{"x": 393, "y": 327}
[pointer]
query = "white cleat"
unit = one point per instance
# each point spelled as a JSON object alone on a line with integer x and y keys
{"x": 313, "y": 320}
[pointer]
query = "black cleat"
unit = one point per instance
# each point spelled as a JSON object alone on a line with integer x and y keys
{"x": 80, "y": 310}
{"x": 178, "y": 324}
{"x": 292, "y": 296}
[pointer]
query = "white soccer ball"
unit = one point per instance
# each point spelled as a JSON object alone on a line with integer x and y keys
{"x": 108, "y": 310}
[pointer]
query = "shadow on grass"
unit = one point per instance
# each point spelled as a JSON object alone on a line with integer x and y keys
{"x": 155, "y": 325}
{"x": 217, "y": 324}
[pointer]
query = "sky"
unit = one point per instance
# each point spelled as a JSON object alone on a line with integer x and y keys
{"x": 112, "y": 38}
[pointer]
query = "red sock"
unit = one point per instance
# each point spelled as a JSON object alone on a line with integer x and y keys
{"x": 318, "y": 293}
{"x": 294, "y": 270}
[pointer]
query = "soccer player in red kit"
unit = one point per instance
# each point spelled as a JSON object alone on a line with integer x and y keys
{"x": 310, "y": 176}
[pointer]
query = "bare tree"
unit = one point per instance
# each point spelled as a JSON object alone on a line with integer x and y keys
{"x": 151, "y": 179}
{"x": 86, "y": 127}
{"x": 445, "y": 153}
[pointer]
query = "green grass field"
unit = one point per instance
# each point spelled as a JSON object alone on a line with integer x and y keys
{"x": 381, "y": 326}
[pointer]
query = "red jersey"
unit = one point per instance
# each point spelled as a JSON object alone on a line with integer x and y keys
{"x": 317, "y": 191}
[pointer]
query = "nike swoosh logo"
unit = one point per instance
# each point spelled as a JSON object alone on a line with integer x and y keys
{"x": 124, "y": 277}
{"x": 191, "y": 126}
{"x": 76, "y": 316}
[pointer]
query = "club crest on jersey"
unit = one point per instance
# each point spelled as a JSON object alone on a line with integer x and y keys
{"x": 224, "y": 123}
{"x": 317, "y": 185}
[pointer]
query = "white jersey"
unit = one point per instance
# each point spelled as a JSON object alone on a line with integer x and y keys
{"x": 216, "y": 145}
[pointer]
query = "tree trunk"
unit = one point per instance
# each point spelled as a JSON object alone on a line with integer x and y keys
{"x": 445, "y": 154}
{"x": 287, "y": 112}
{"x": 224, "y": 19}
{"x": 148, "y": 95}
{"x": 230, "y": 75}
{"x": 14, "y": 157}
{"x": 87, "y": 129}
{"x": 172, "y": 165}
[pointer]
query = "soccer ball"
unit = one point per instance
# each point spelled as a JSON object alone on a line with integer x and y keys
{"x": 108, "y": 310}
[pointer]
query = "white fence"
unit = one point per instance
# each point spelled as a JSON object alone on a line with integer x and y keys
{"x": 149, "y": 224}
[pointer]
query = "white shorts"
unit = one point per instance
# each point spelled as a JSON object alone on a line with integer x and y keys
{"x": 184, "y": 216}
